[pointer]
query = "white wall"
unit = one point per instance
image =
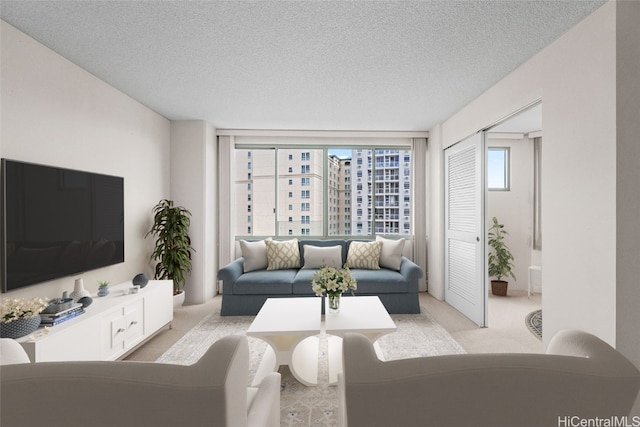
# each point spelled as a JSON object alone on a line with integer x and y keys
{"x": 628, "y": 182}
{"x": 579, "y": 178}
{"x": 587, "y": 80}
{"x": 435, "y": 217}
{"x": 55, "y": 113}
{"x": 193, "y": 183}
{"x": 576, "y": 74}
{"x": 514, "y": 208}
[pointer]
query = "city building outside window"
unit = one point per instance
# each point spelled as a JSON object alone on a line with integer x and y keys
{"x": 384, "y": 181}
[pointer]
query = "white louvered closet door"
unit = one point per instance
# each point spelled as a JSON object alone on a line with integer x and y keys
{"x": 465, "y": 269}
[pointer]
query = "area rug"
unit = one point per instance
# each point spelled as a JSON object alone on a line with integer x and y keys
{"x": 417, "y": 335}
{"x": 534, "y": 323}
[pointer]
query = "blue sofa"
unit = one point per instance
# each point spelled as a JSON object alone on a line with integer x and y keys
{"x": 245, "y": 293}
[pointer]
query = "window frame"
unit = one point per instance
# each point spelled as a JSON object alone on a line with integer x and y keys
{"x": 374, "y": 148}
{"x": 506, "y": 168}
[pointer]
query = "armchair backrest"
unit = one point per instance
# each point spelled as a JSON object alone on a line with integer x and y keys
{"x": 212, "y": 391}
{"x": 586, "y": 378}
{"x": 11, "y": 352}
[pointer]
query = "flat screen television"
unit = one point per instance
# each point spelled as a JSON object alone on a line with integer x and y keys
{"x": 57, "y": 222}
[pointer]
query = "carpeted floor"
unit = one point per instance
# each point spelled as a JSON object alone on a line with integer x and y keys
{"x": 417, "y": 335}
{"x": 534, "y": 323}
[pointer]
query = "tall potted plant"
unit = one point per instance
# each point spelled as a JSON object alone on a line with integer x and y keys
{"x": 500, "y": 259}
{"x": 172, "y": 250}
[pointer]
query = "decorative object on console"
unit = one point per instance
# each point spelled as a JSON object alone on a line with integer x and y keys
{"x": 140, "y": 280}
{"x": 86, "y": 301}
{"x": 57, "y": 305}
{"x": 173, "y": 245}
{"x": 19, "y": 316}
{"x": 500, "y": 259}
{"x": 79, "y": 291}
{"x": 333, "y": 281}
{"x": 103, "y": 289}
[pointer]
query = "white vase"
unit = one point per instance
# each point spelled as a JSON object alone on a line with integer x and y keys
{"x": 79, "y": 291}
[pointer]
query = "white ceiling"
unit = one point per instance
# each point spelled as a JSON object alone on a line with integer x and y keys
{"x": 336, "y": 65}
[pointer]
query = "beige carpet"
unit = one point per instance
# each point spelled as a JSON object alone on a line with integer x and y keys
{"x": 417, "y": 335}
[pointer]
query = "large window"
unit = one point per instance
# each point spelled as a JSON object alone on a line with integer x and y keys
{"x": 314, "y": 186}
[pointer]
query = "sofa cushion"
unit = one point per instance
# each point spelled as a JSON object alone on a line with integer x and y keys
{"x": 254, "y": 254}
{"x": 381, "y": 281}
{"x": 264, "y": 282}
{"x": 302, "y": 283}
{"x": 317, "y": 256}
{"x": 364, "y": 255}
{"x": 283, "y": 254}
{"x": 391, "y": 253}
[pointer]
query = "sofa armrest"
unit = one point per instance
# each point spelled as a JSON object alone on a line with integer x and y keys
{"x": 264, "y": 404}
{"x": 230, "y": 273}
{"x": 411, "y": 271}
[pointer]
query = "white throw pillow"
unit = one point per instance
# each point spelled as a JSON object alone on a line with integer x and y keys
{"x": 391, "y": 253}
{"x": 365, "y": 255}
{"x": 283, "y": 254}
{"x": 254, "y": 254}
{"x": 320, "y": 256}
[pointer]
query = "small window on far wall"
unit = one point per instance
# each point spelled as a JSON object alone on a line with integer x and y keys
{"x": 498, "y": 168}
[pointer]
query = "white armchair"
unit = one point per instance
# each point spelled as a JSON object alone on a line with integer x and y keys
{"x": 211, "y": 392}
{"x": 580, "y": 376}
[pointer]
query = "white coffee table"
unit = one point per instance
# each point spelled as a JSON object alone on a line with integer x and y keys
{"x": 365, "y": 315}
{"x": 286, "y": 325}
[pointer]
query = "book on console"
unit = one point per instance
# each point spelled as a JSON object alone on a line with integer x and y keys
{"x": 61, "y": 319}
{"x": 75, "y": 307}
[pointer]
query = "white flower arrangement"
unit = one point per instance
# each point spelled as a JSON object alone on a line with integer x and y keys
{"x": 20, "y": 308}
{"x": 333, "y": 281}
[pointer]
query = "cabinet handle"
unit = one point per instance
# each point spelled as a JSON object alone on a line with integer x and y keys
{"x": 133, "y": 322}
{"x": 119, "y": 330}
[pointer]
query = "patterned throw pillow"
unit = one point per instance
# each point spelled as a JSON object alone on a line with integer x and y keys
{"x": 283, "y": 254}
{"x": 365, "y": 255}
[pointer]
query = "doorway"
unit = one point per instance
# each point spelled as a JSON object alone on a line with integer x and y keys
{"x": 506, "y": 185}
{"x": 514, "y": 177}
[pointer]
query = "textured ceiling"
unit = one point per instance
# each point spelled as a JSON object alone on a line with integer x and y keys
{"x": 337, "y": 65}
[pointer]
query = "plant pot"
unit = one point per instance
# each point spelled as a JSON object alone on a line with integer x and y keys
{"x": 499, "y": 287}
{"x": 178, "y": 299}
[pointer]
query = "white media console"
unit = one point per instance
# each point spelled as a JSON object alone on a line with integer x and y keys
{"x": 111, "y": 326}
